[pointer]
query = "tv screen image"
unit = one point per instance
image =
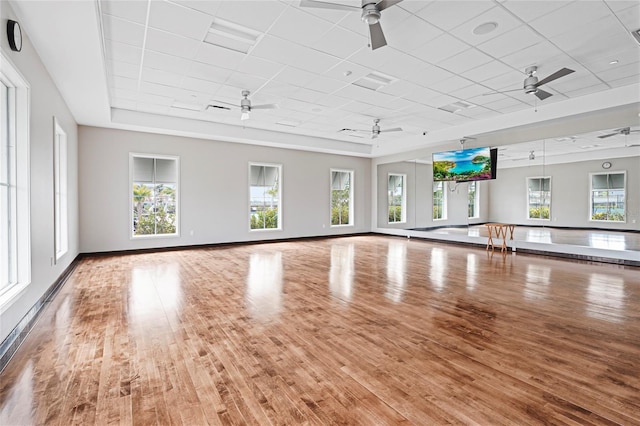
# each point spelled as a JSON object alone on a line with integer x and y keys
{"x": 463, "y": 165}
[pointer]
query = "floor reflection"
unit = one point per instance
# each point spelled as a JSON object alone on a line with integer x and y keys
{"x": 396, "y": 269}
{"x": 155, "y": 289}
{"x": 341, "y": 272}
{"x": 606, "y": 298}
{"x": 438, "y": 268}
{"x": 264, "y": 285}
{"x": 18, "y": 407}
{"x": 607, "y": 241}
{"x": 472, "y": 265}
{"x": 538, "y": 236}
{"x": 537, "y": 281}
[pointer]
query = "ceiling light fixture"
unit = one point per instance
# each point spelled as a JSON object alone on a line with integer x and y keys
{"x": 532, "y": 156}
{"x": 244, "y": 115}
{"x": 485, "y": 28}
{"x": 615, "y": 61}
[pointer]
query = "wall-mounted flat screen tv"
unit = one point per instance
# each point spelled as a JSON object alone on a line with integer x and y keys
{"x": 465, "y": 165}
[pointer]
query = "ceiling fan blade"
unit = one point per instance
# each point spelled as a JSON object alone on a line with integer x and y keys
{"x": 387, "y": 3}
{"x": 218, "y": 107}
{"x": 608, "y": 136}
{"x": 327, "y": 5}
{"x": 542, "y": 95}
{"x": 556, "y": 75}
{"x": 395, "y": 129}
{"x": 377, "y": 36}
{"x": 265, "y": 106}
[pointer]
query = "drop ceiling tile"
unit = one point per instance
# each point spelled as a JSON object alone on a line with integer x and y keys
{"x": 123, "y": 31}
{"x": 124, "y": 104}
{"x": 179, "y": 20}
{"x": 564, "y": 19}
{"x": 209, "y": 7}
{"x": 277, "y": 50}
{"x": 219, "y": 56}
{"x": 164, "y": 62}
{"x": 498, "y": 15}
{"x": 465, "y": 61}
{"x": 372, "y": 59}
{"x": 347, "y": 72}
{"x": 161, "y": 90}
{"x": 259, "y": 67}
{"x": 124, "y": 83}
{"x": 574, "y": 82}
{"x": 331, "y": 15}
{"x": 487, "y": 71}
{"x": 340, "y": 42}
{"x": 172, "y": 44}
{"x": 123, "y": 52}
{"x": 209, "y": 72}
{"x": 278, "y": 88}
{"x": 161, "y": 77}
{"x": 439, "y": 49}
{"x": 425, "y": 96}
{"x": 258, "y": 15}
{"x": 200, "y": 86}
{"x": 295, "y": 76}
{"x": 246, "y": 81}
{"x": 449, "y": 15}
{"x": 624, "y": 71}
{"x": 403, "y": 65}
{"x": 122, "y": 94}
{"x": 532, "y": 9}
{"x": 413, "y": 33}
{"x": 453, "y": 84}
{"x": 505, "y": 105}
{"x": 123, "y": 69}
{"x": 532, "y": 55}
{"x": 428, "y": 75}
{"x": 393, "y": 17}
{"x": 510, "y": 42}
{"x": 593, "y": 38}
{"x": 296, "y": 24}
{"x": 153, "y": 108}
{"x": 630, "y": 17}
{"x": 325, "y": 85}
{"x": 332, "y": 101}
{"x": 400, "y": 88}
{"x": 469, "y": 93}
{"x": 135, "y": 11}
{"x": 315, "y": 61}
{"x": 586, "y": 90}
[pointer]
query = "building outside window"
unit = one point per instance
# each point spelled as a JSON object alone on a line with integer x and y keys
{"x": 265, "y": 192}
{"x": 439, "y": 201}
{"x": 608, "y": 193}
{"x": 538, "y": 198}
{"x": 154, "y": 196}
{"x": 397, "y": 198}
{"x": 341, "y": 197}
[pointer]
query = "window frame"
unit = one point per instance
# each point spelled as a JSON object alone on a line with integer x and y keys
{"x": 527, "y": 179}
{"x": 18, "y": 112}
{"x": 280, "y": 198}
{"x": 622, "y": 172}
{"x": 444, "y": 200}
{"x": 403, "y": 202}
{"x": 60, "y": 190}
{"x": 476, "y": 199}
{"x": 132, "y": 156}
{"x": 351, "y": 198}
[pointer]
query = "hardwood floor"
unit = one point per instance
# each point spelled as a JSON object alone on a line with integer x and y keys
{"x": 356, "y": 330}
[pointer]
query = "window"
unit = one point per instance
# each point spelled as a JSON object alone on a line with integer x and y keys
{"x": 61, "y": 230}
{"x": 608, "y": 196}
{"x": 265, "y": 191}
{"x": 474, "y": 207}
{"x": 154, "y": 196}
{"x": 439, "y": 201}
{"x": 341, "y": 197}
{"x": 539, "y": 197}
{"x": 15, "y": 250}
{"x": 397, "y": 198}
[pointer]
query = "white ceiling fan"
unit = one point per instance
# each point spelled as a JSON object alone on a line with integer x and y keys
{"x": 245, "y": 105}
{"x": 623, "y": 131}
{"x": 375, "y": 129}
{"x": 371, "y": 14}
{"x": 532, "y": 84}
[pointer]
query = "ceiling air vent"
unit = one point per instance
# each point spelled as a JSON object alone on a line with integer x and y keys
{"x": 374, "y": 81}
{"x": 457, "y": 106}
{"x": 636, "y": 34}
{"x": 231, "y": 36}
{"x": 351, "y": 132}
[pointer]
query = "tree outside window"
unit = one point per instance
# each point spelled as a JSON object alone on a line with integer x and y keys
{"x": 608, "y": 197}
{"x": 264, "y": 196}
{"x": 538, "y": 197}
{"x": 341, "y": 197}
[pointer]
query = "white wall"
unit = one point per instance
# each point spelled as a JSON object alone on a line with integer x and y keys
{"x": 213, "y": 195}
{"x": 46, "y": 103}
{"x": 569, "y": 194}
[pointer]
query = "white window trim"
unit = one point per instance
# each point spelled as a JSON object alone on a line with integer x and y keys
{"x": 526, "y": 181}
{"x": 22, "y": 95}
{"x": 280, "y": 198}
{"x": 624, "y": 172}
{"x": 403, "y": 218}
{"x": 351, "y": 197}
{"x": 132, "y": 155}
{"x": 60, "y": 191}
{"x": 476, "y": 210}
{"x": 444, "y": 201}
